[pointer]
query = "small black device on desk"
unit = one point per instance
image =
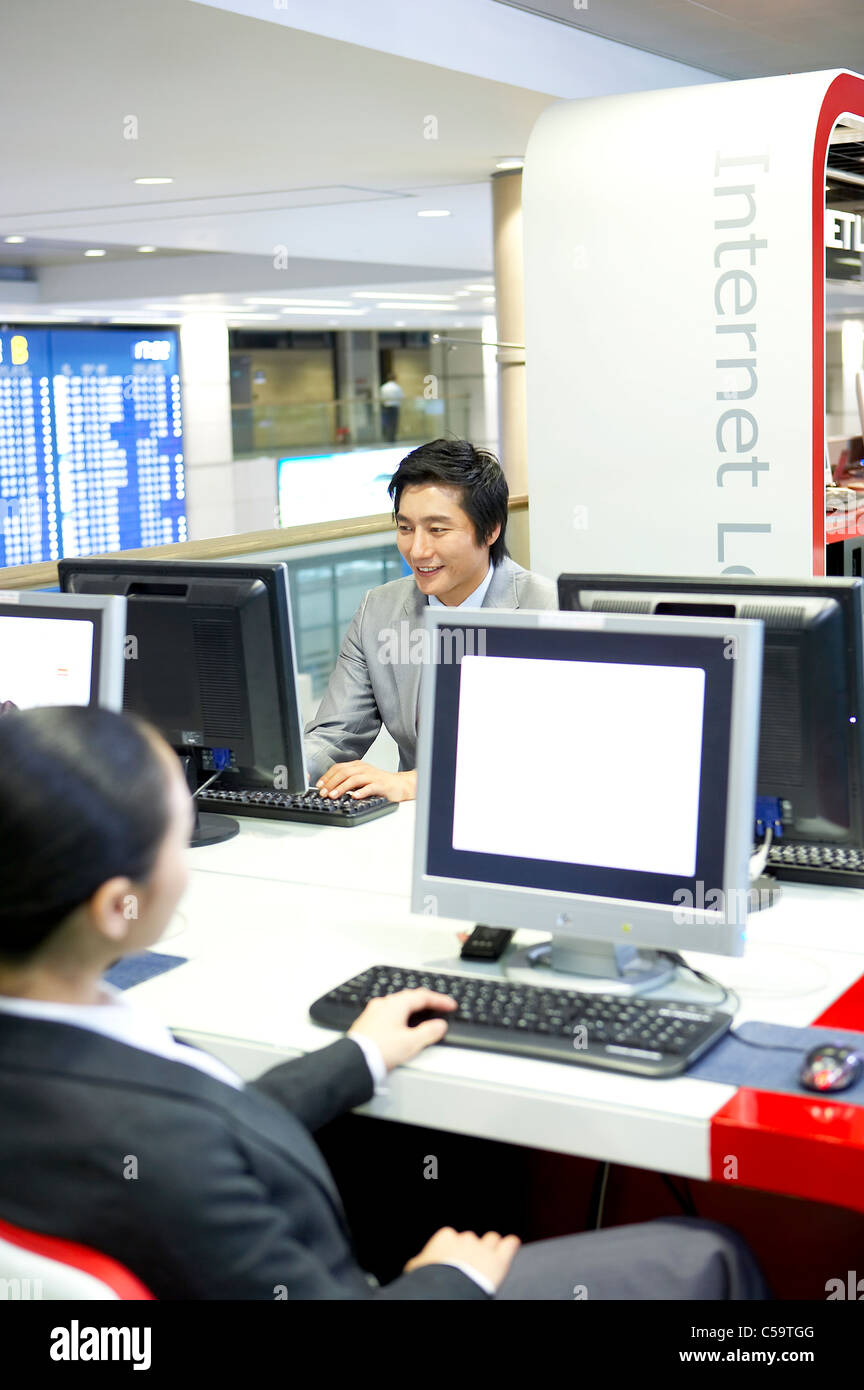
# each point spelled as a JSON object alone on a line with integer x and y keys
{"x": 486, "y": 943}
{"x": 308, "y": 807}
{"x": 624, "y": 1033}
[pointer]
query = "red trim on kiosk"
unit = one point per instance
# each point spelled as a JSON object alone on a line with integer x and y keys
{"x": 847, "y": 1011}
{"x": 798, "y": 1145}
{"x": 805, "y": 1146}
{"x": 846, "y": 94}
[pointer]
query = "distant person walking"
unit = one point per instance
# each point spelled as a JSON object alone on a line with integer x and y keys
{"x": 391, "y": 399}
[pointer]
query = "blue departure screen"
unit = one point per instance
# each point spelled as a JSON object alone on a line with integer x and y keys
{"x": 91, "y": 442}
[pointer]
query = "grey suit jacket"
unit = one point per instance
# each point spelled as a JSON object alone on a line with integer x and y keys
{"x": 369, "y": 687}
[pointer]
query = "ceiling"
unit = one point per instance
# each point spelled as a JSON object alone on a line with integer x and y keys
{"x": 732, "y": 38}
{"x": 299, "y": 161}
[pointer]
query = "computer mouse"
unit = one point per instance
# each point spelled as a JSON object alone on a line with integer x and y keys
{"x": 425, "y": 1015}
{"x": 830, "y": 1067}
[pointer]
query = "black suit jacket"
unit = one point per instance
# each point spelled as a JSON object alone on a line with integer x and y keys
{"x": 201, "y": 1190}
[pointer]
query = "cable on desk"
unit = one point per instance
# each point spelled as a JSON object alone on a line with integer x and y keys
{"x": 760, "y": 858}
{"x": 205, "y": 785}
{"x": 675, "y": 958}
{"x": 800, "y": 1049}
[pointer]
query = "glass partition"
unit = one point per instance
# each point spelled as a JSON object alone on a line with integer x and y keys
{"x": 350, "y": 423}
{"x": 326, "y": 591}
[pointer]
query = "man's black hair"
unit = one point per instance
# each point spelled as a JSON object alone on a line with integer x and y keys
{"x": 476, "y": 471}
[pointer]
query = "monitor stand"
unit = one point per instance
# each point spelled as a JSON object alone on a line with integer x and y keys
{"x": 209, "y": 828}
{"x": 598, "y": 963}
{"x": 764, "y": 892}
{"x": 591, "y": 967}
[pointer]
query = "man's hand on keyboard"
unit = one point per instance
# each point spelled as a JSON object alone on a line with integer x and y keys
{"x": 491, "y": 1255}
{"x": 362, "y": 780}
{"x": 385, "y": 1022}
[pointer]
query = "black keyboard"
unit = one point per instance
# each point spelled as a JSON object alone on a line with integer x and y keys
{"x": 308, "y": 807}
{"x": 647, "y": 1037}
{"x": 835, "y": 864}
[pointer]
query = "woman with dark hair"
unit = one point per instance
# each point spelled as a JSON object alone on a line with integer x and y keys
{"x": 227, "y": 1196}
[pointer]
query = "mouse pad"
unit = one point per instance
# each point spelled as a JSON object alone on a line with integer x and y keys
{"x": 134, "y": 970}
{"x": 733, "y": 1063}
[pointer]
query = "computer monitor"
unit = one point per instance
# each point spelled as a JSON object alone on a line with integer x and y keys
{"x": 591, "y": 776}
{"x": 212, "y": 665}
{"x": 60, "y": 650}
{"x": 811, "y": 752}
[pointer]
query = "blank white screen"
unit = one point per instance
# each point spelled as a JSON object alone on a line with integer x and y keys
{"x": 580, "y": 762}
{"x": 45, "y": 661}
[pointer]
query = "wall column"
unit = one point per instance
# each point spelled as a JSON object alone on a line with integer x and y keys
{"x": 206, "y": 399}
{"x": 510, "y": 298}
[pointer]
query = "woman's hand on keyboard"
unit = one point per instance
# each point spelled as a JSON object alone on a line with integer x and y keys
{"x": 385, "y": 1022}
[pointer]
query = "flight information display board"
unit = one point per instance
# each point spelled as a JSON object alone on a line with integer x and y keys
{"x": 91, "y": 442}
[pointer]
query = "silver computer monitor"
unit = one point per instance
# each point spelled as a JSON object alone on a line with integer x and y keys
{"x": 591, "y": 776}
{"x": 61, "y": 649}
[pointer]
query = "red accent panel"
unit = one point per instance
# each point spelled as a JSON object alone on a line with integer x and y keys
{"x": 792, "y": 1144}
{"x": 847, "y": 1011}
{"x": 846, "y": 93}
{"x": 68, "y": 1252}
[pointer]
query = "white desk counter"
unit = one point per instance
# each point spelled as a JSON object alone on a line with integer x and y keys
{"x": 372, "y": 858}
{"x": 264, "y": 940}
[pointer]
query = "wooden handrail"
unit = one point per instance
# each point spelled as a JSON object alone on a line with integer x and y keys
{"x": 43, "y": 576}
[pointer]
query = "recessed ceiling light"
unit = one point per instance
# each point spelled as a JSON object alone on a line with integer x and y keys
{"x": 14, "y": 240}
{"x": 160, "y": 180}
{"x": 460, "y": 294}
{"x": 145, "y": 249}
{"x": 426, "y": 308}
{"x": 434, "y": 212}
{"x": 396, "y": 294}
{"x": 397, "y": 302}
{"x": 303, "y": 310}
{"x": 400, "y": 323}
{"x": 514, "y": 163}
{"x": 301, "y": 303}
{"x": 94, "y": 252}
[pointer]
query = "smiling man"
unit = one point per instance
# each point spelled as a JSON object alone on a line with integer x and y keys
{"x": 450, "y": 505}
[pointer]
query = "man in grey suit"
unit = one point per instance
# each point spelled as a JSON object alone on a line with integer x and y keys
{"x": 450, "y": 504}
